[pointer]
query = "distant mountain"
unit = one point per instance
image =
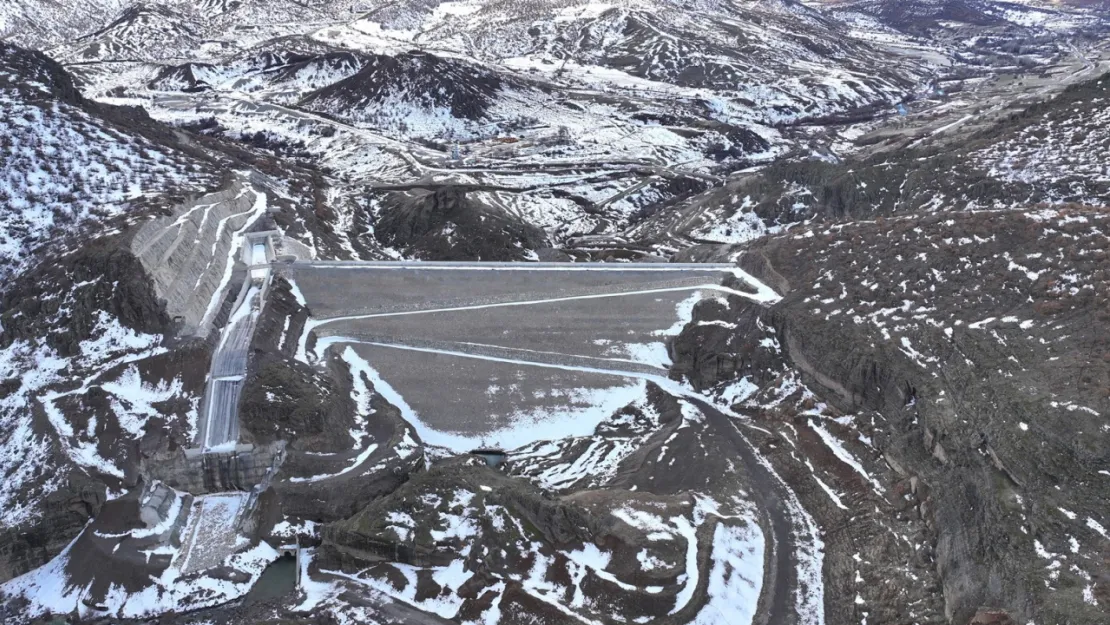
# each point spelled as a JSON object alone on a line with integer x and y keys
{"x": 43, "y": 23}
{"x": 1046, "y": 154}
{"x": 389, "y": 87}
{"x": 921, "y": 16}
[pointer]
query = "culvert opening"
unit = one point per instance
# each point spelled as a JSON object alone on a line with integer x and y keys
{"x": 493, "y": 457}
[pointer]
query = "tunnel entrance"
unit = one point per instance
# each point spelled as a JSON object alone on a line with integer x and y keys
{"x": 493, "y": 457}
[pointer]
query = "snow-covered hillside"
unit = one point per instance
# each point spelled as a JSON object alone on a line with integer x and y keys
{"x": 64, "y": 167}
{"x": 791, "y": 60}
{"x": 81, "y": 335}
{"x": 211, "y": 356}
{"x": 923, "y": 15}
{"x": 657, "y": 99}
{"x": 86, "y": 25}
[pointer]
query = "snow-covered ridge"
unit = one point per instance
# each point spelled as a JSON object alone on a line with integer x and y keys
{"x": 64, "y": 168}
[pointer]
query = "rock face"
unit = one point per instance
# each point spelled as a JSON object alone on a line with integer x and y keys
{"x": 449, "y": 223}
{"x": 32, "y": 65}
{"x": 117, "y": 285}
{"x": 53, "y": 140}
{"x": 66, "y": 512}
{"x": 707, "y": 353}
{"x": 284, "y": 401}
{"x": 980, "y": 343}
{"x": 287, "y": 400}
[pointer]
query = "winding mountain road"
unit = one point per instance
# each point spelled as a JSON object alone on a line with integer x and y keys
{"x": 780, "y": 526}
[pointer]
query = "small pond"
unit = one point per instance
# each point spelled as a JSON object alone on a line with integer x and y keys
{"x": 278, "y": 580}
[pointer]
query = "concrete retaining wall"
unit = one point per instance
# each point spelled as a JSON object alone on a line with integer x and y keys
{"x": 242, "y": 468}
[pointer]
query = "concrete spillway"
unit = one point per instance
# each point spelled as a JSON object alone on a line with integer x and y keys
{"x": 219, "y": 426}
{"x": 229, "y": 368}
{"x": 194, "y": 257}
{"x": 191, "y": 256}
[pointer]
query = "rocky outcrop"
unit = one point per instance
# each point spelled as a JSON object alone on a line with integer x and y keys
{"x": 467, "y": 91}
{"x": 557, "y": 522}
{"x": 65, "y": 514}
{"x": 722, "y": 343}
{"x": 345, "y": 491}
{"x": 284, "y": 399}
{"x": 113, "y": 281}
{"x": 496, "y": 530}
{"x": 61, "y": 302}
{"x": 986, "y": 373}
{"x": 34, "y": 69}
{"x": 449, "y": 223}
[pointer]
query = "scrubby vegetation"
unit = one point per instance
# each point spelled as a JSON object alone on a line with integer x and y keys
{"x": 63, "y": 167}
